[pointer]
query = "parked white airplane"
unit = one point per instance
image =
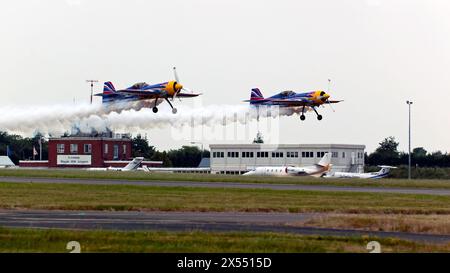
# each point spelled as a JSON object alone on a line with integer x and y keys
{"x": 384, "y": 172}
{"x": 173, "y": 170}
{"x": 315, "y": 170}
{"x": 132, "y": 166}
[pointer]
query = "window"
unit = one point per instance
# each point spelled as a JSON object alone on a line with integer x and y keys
{"x": 277, "y": 154}
{"x": 334, "y": 154}
{"x": 87, "y": 148}
{"x": 60, "y": 148}
{"x": 247, "y": 154}
{"x": 291, "y": 154}
{"x": 320, "y": 154}
{"x": 124, "y": 149}
{"x": 343, "y": 154}
{"x": 307, "y": 154}
{"x": 233, "y": 154}
{"x": 106, "y": 149}
{"x": 116, "y": 151}
{"x": 218, "y": 154}
{"x": 262, "y": 154}
{"x": 73, "y": 148}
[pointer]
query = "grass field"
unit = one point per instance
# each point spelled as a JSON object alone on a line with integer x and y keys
{"x": 354, "y": 210}
{"x": 121, "y": 197}
{"x": 429, "y": 224}
{"x": 27, "y": 240}
{"x": 401, "y": 183}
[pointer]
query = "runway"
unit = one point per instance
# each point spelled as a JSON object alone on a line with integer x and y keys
{"x": 236, "y": 185}
{"x": 188, "y": 221}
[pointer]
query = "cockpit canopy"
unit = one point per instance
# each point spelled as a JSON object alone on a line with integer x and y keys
{"x": 287, "y": 93}
{"x": 138, "y": 85}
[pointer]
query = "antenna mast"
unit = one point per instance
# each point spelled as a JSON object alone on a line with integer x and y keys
{"x": 92, "y": 86}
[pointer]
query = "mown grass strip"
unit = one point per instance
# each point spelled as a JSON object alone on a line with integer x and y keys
{"x": 35, "y": 240}
{"x": 124, "y": 197}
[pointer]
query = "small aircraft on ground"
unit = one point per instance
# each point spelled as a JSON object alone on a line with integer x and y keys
{"x": 149, "y": 94}
{"x": 382, "y": 173}
{"x": 132, "y": 166}
{"x": 291, "y": 99}
{"x": 316, "y": 170}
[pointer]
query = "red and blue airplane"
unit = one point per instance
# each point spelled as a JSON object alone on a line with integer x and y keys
{"x": 291, "y": 99}
{"x": 145, "y": 93}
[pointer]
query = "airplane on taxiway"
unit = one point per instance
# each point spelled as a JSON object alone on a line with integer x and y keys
{"x": 382, "y": 173}
{"x": 316, "y": 170}
{"x": 131, "y": 166}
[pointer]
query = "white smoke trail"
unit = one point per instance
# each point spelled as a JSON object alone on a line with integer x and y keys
{"x": 186, "y": 116}
{"x": 46, "y": 119}
{"x": 58, "y": 119}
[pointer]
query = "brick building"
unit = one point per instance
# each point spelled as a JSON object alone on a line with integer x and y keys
{"x": 82, "y": 151}
{"x": 87, "y": 152}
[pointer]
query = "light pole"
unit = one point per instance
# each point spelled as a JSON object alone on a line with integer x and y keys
{"x": 194, "y": 142}
{"x": 409, "y": 137}
{"x": 41, "y": 138}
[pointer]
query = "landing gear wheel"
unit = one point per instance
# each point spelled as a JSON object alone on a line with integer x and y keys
{"x": 155, "y": 109}
{"x": 174, "y": 110}
{"x": 302, "y": 117}
{"x": 319, "y": 117}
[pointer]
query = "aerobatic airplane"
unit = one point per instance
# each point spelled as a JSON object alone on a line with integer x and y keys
{"x": 291, "y": 99}
{"x": 147, "y": 95}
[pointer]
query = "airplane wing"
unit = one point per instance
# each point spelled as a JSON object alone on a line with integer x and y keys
{"x": 187, "y": 95}
{"x": 142, "y": 93}
{"x": 288, "y": 102}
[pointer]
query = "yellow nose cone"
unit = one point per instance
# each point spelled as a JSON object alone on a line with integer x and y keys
{"x": 326, "y": 96}
{"x": 178, "y": 86}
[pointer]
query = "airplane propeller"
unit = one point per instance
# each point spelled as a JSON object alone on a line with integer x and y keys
{"x": 328, "y": 91}
{"x": 177, "y": 79}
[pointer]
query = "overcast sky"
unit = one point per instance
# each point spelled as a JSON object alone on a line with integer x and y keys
{"x": 379, "y": 53}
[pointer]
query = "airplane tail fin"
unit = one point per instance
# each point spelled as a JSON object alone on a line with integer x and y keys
{"x": 325, "y": 161}
{"x": 108, "y": 88}
{"x": 133, "y": 164}
{"x": 109, "y": 92}
{"x": 385, "y": 170}
{"x": 255, "y": 95}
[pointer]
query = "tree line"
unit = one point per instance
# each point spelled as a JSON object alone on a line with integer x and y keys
{"x": 387, "y": 154}
{"x": 186, "y": 156}
{"x": 21, "y": 148}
